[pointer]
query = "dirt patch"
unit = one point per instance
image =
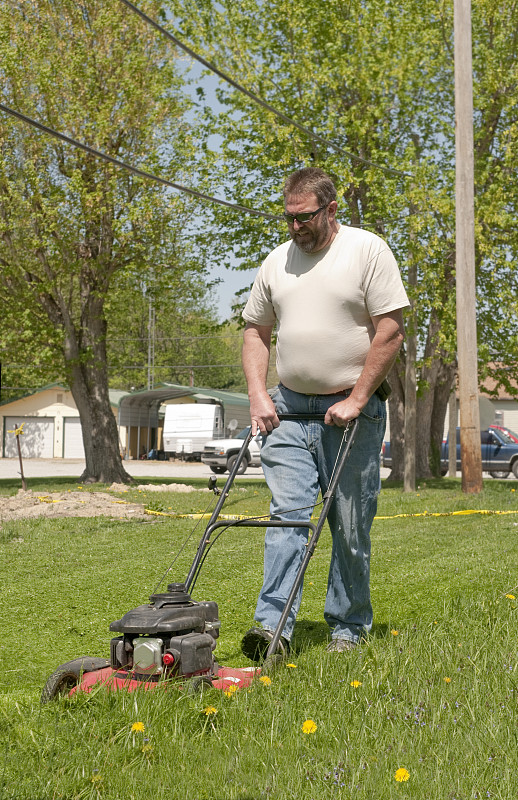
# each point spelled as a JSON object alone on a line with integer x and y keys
{"x": 29, "y": 504}
{"x": 67, "y": 504}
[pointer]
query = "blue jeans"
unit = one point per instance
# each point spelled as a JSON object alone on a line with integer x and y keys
{"x": 298, "y": 459}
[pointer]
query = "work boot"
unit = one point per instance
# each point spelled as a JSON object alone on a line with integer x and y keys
{"x": 341, "y": 646}
{"x": 256, "y": 641}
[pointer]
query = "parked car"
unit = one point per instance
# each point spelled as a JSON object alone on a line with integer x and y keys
{"x": 506, "y": 432}
{"x": 221, "y": 454}
{"x": 499, "y": 451}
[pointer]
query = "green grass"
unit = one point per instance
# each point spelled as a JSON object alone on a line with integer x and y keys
{"x": 439, "y": 587}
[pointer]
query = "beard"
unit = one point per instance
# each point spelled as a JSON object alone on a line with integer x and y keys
{"x": 313, "y": 239}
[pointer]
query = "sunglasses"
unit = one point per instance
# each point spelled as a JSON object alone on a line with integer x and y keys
{"x": 306, "y": 216}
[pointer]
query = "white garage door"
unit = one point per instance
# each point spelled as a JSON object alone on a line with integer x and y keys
{"x": 36, "y": 441}
{"x": 73, "y": 438}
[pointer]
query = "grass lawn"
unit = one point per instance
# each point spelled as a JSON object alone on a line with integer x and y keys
{"x": 427, "y": 708}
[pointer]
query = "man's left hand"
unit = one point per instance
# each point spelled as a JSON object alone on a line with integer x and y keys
{"x": 342, "y": 413}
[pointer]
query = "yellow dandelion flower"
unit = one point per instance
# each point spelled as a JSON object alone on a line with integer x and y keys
{"x": 402, "y": 775}
{"x": 447, "y": 680}
{"x": 510, "y": 597}
{"x": 394, "y": 632}
{"x": 309, "y": 726}
{"x": 231, "y": 690}
{"x": 138, "y": 727}
{"x": 355, "y": 684}
{"x": 292, "y": 666}
{"x": 265, "y": 679}
{"x": 210, "y": 711}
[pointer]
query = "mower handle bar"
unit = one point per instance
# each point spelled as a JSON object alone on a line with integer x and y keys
{"x": 213, "y": 523}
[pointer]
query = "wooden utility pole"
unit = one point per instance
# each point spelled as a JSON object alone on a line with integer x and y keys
{"x": 471, "y": 458}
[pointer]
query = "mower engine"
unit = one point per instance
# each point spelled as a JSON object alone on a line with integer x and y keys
{"x": 173, "y": 634}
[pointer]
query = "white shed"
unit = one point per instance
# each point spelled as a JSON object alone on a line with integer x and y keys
{"x": 51, "y": 424}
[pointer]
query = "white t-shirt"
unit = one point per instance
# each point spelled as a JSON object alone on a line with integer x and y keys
{"x": 323, "y": 303}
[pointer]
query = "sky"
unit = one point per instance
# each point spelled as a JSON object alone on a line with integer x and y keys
{"x": 232, "y": 281}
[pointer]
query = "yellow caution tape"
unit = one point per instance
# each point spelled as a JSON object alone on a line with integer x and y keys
{"x": 196, "y": 516}
{"x": 465, "y": 512}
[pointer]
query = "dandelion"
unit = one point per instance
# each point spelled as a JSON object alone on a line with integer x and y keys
{"x": 394, "y": 632}
{"x": 355, "y": 684}
{"x": 402, "y": 775}
{"x": 138, "y": 727}
{"x": 265, "y": 679}
{"x": 231, "y": 690}
{"x": 210, "y": 711}
{"x": 309, "y": 726}
{"x": 292, "y": 666}
{"x": 510, "y": 597}
{"x": 447, "y": 680}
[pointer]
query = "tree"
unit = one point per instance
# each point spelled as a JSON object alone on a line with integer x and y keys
{"x": 376, "y": 79}
{"x": 70, "y": 224}
{"x": 171, "y": 335}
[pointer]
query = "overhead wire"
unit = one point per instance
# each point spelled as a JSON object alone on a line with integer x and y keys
{"x": 256, "y": 98}
{"x": 135, "y": 170}
{"x": 147, "y": 175}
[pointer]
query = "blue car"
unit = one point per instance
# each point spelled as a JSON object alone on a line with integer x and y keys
{"x": 499, "y": 453}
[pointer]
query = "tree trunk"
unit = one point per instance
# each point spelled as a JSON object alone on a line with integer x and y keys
{"x": 87, "y": 373}
{"x": 436, "y": 377}
{"x": 396, "y": 403}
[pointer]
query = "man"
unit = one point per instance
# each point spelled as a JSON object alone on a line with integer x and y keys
{"x": 336, "y": 297}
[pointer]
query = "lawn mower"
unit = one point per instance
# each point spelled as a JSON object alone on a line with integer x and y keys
{"x": 173, "y": 637}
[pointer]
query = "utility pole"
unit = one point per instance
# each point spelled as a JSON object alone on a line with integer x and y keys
{"x": 151, "y": 345}
{"x": 471, "y": 457}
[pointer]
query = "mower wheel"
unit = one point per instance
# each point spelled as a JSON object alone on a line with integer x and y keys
{"x": 68, "y": 675}
{"x": 198, "y": 684}
{"x": 272, "y": 664}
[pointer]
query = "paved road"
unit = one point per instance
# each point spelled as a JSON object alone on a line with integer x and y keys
{"x": 68, "y": 467}
{"x": 65, "y": 467}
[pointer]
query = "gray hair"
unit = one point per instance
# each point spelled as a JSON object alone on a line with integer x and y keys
{"x": 310, "y": 180}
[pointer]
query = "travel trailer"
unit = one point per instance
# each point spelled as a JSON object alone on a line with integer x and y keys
{"x": 187, "y": 426}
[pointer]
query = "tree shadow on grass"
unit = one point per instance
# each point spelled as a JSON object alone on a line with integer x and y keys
{"x": 312, "y": 633}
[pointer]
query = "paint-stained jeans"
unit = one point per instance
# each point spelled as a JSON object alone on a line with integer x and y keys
{"x": 298, "y": 459}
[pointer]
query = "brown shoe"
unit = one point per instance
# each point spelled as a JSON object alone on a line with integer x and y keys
{"x": 341, "y": 646}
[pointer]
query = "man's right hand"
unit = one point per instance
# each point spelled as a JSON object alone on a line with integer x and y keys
{"x": 263, "y": 414}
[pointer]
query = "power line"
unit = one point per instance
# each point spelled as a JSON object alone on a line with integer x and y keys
{"x": 135, "y": 170}
{"x": 258, "y": 99}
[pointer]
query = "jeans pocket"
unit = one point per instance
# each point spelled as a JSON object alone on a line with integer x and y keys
{"x": 375, "y": 410}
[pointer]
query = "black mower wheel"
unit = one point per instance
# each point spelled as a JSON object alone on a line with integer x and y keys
{"x": 272, "y": 664}
{"x": 198, "y": 684}
{"x": 68, "y": 675}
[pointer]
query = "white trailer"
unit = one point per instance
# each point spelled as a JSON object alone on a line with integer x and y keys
{"x": 187, "y": 426}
